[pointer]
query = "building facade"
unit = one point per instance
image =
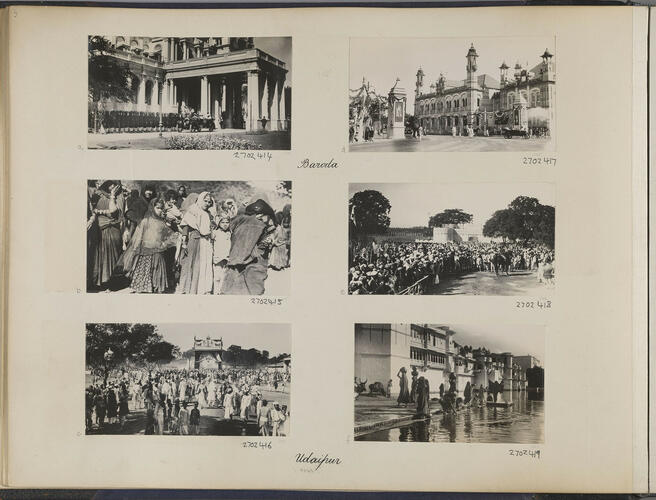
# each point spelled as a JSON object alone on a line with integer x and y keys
{"x": 382, "y": 349}
{"x": 226, "y": 78}
{"x": 523, "y": 100}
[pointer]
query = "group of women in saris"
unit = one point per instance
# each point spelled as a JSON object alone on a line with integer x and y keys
{"x": 420, "y": 391}
{"x": 190, "y": 246}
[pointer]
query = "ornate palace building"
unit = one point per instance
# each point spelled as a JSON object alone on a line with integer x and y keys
{"x": 225, "y": 78}
{"x": 522, "y": 100}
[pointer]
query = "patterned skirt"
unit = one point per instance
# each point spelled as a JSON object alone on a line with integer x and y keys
{"x": 149, "y": 274}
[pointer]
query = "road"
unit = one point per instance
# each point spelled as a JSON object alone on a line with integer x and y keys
{"x": 447, "y": 143}
{"x": 487, "y": 283}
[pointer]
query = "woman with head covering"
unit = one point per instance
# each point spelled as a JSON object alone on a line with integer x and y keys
{"x": 404, "y": 394}
{"x": 279, "y": 256}
{"x": 196, "y": 273}
{"x": 144, "y": 261}
{"x": 221, "y": 248}
{"x": 105, "y": 232}
{"x": 423, "y": 397}
{"x": 250, "y": 245}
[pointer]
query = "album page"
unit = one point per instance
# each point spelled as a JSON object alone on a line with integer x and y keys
{"x": 324, "y": 248}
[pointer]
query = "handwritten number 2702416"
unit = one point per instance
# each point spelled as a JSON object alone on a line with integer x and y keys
{"x": 262, "y": 445}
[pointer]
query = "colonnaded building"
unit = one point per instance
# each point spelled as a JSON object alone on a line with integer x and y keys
{"x": 228, "y": 79}
{"x": 521, "y": 100}
{"x": 382, "y": 349}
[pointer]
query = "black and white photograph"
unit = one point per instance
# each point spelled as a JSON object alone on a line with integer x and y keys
{"x": 203, "y": 93}
{"x": 225, "y": 379}
{"x": 449, "y": 383}
{"x": 189, "y": 237}
{"x": 451, "y": 239}
{"x": 452, "y": 94}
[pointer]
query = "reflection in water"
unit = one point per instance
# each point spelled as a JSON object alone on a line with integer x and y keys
{"x": 521, "y": 423}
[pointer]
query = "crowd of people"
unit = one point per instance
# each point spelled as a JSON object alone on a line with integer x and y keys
{"x": 392, "y": 267}
{"x": 175, "y": 242}
{"x": 173, "y": 399}
{"x": 416, "y": 391}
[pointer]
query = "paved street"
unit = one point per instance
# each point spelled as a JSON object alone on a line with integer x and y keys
{"x": 153, "y": 140}
{"x": 212, "y": 420}
{"x": 487, "y": 283}
{"x": 378, "y": 412}
{"x": 447, "y": 143}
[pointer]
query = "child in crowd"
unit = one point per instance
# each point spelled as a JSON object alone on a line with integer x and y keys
{"x": 221, "y": 236}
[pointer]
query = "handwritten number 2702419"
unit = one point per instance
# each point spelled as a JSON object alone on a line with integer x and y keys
{"x": 524, "y": 453}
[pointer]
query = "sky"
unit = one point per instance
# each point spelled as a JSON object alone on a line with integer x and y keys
{"x": 517, "y": 339}
{"x": 279, "y": 47}
{"x": 403, "y": 56}
{"x": 272, "y": 337}
{"x": 413, "y": 204}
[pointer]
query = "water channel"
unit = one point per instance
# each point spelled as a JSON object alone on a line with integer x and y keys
{"x": 522, "y": 423}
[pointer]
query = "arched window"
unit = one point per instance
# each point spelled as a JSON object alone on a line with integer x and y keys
{"x": 157, "y": 52}
{"x": 134, "y": 45}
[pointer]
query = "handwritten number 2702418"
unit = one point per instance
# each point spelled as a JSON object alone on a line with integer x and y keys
{"x": 533, "y": 304}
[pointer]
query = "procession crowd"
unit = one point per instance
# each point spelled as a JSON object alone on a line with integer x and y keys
{"x": 173, "y": 242}
{"x": 167, "y": 396}
{"x": 392, "y": 267}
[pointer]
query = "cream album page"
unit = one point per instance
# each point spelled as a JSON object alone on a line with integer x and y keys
{"x": 326, "y": 248}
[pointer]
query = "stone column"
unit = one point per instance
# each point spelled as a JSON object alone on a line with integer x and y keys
{"x": 216, "y": 104}
{"x": 264, "y": 108}
{"x": 203, "y": 108}
{"x": 283, "y": 105}
{"x": 166, "y": 98}
{"x": 141, "y": 94}
{"x": 184, "y": 50}
{"x": 175, "y": 95}
{"x": 229, "y": 101}
{"x": 275, "y": 110}
{"x": 252, "y": 106}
